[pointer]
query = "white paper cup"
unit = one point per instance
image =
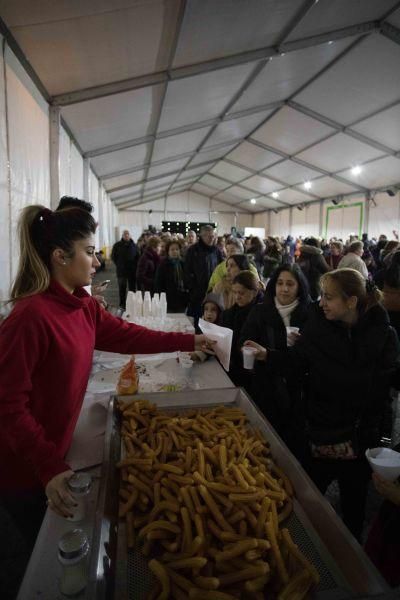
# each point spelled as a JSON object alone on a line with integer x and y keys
{"x": 385, "y": 462}
{"x": 290, "y": 330}
{"x": 249, "y": 356}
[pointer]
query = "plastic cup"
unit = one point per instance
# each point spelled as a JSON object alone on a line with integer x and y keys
{"x": 290, "y": 330}
{"x": 385, "y": 462}
{"x": 249, "y": 356}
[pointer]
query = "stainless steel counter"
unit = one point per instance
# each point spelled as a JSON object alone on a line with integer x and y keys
{"x": 344, "y": 568}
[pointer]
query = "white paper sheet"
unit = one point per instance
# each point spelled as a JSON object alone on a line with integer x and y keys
{"x": 223, "y": 337}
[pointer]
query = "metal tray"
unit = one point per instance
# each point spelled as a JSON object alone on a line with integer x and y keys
{"x": 344, "y": 568}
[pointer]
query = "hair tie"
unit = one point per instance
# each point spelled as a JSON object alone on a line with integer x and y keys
{"x": 45, "y": 225}
{"x": 370, "y": 286}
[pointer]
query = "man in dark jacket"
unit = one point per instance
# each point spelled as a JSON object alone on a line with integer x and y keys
{"x": 125, "y": 255}
{"x": 313, "y": 265}
{"x": 200, "y": 262}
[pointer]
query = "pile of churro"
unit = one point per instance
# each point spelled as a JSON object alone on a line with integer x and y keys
{"x": 204, "y": 501}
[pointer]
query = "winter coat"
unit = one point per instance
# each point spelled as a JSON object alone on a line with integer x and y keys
{"x": 349, "y": 372}
{"x": 234, "y": 318}
{"x": 169, "y": 279}
{"x": 278, "y": 398}
{"x": 333, "y": 261}
{"x": 200, "y": 262}
{"x": 272, "y": 260}
{"x": 125, "y": 256}
{"x": 146, "y": 270}
{"x": 353, "y": 261}
{"x": 313, "y": 265}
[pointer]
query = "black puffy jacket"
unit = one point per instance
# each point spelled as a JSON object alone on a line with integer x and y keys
{"x": 200, "y": 262}
{"x": 277, "y": 397}
{"x": 349, "y": 369}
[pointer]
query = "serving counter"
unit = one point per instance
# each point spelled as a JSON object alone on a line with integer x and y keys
{"x": 344, "y": 569}
{"x": 86, "y": 453}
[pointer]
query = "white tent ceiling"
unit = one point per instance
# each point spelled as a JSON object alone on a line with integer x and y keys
{"x": 234, "y": 99}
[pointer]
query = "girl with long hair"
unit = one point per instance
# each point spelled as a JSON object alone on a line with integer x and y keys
{"x": 46, "y": 349}
{"x": 348, "y": 350}
{"x": 286, "y": 304}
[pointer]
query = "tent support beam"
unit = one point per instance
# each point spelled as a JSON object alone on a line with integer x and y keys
{"x": 163, "y": 77}
{"x": 178, "y": 130}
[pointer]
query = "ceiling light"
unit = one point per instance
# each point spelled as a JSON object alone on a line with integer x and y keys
{"x": 275, "y": 195}
{"x": 356, "y": 170}
{"x": 253, "y": 201}
{"x": 307, "y": 185}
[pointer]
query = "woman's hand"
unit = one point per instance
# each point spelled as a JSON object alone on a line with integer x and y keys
{"x": 262, "y": 353}
{"x": 203, "y": 343}
{"x": 292, "y": 338}
{"x": 59, "y": 499}
{"x": 390, "y": 490}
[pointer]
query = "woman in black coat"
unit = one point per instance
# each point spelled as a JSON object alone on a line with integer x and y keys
{"x": 286, "y": 303}
{"x": 246, "y": 293}
{"x": 170, "y": 278}
{"x": 349, "y": 351}
{"x": 147, "y": 265}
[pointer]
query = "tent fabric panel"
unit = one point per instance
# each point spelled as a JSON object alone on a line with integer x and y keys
{"x": 234, "y": 129}
{"x": 120, "y": 159}
{"x": 215, "y": 29}
{"x": 198, "y": 98}
{"x": 361, "y": 82}
{"x": 385, "y": 171}
{"x": 95, "y": 47}
{"x": 252, "y": 156}
{"x": 111, "y": 119}
{"x": 336, "y": 14}
{"x": 291, "y": 131}
{"x": 339, "y": 151}
{"x": 384, "y": 127}
{"x": 179, "y": 144}
{"x": 229, "y": 172}
{"x": 285, "y": 74}
{"x": 291, "y": 172}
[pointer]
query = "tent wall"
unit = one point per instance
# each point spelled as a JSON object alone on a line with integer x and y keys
{"x": 25, "y": 163}
{"x": 185, "y": 206}
{"x": 384, "y": 215}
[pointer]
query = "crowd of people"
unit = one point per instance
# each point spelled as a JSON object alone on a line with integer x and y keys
{"x": 322, "y": 319}
{"x": 326, "y": 385}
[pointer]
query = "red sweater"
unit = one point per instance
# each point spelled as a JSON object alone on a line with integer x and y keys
{"x": 46, "y": 350}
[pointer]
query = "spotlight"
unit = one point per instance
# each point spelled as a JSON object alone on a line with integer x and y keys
{"x": 150, "y": 211}
{"x": 307, "y": 185}
{"x": 335, "y": 201}
{"x": 253, "y": 201}
{"x": 275, "y": 195}
{"x": 356, "y": 170}
{"x": 391, "y": 192}
{"x": 300, "y": 207}
{"x": 274, "y": 210}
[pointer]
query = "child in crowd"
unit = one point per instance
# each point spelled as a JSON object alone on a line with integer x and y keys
{"x": 211, "y": 312}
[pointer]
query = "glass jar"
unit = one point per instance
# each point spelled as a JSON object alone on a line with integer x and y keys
{"x": 73, "y": 549}
{"x": 79, "y": 485}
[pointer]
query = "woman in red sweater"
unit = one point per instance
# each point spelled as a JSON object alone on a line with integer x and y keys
{"x": 46, "y": 349}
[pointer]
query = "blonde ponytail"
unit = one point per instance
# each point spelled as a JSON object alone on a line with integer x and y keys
{"x": 33, "y": 275}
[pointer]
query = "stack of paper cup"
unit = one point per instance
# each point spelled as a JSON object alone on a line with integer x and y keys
{"x": 130, "y": 304}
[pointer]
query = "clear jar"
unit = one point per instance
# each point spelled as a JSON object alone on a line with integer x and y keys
{"x": 73, "y": 549}
{"x": 79, "y": 485}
